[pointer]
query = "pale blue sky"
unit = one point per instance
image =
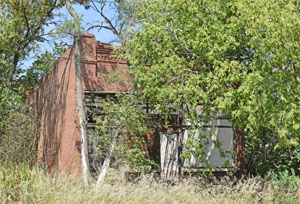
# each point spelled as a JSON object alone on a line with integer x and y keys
{"x": 89, "y": 16}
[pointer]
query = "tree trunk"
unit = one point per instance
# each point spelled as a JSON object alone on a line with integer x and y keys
{"x": 81, "y": 113}
{"x": 240, "y": 152}
{"x": 107, "y": 160}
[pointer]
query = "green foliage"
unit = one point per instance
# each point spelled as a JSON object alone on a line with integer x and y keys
{"x": 40, "y": 67}
{"x": 195, "y": 147}
{"x": 22, "y": 26}
{"x": 19, "y": 137}
{"x": 239, "y": 57}
{"x": 10, "y": 101}
{"x": 285, "y": 180}
{"x": 263, "y": 157}
{"x": 64, "y": 29}
{"x": 124, "y": 112}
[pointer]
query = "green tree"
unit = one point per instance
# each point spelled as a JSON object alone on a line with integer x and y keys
{"x": 40, "y": 67}
{"x": 22, "y": 26}
{"x": 122, "y": 129}
{"x": 263, "y": 158}
{"x": 239, "y": 57}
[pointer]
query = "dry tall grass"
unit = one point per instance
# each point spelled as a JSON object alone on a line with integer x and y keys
{"x": 38, "y": 187}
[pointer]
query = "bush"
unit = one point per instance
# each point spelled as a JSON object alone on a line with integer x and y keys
{"x": 285, "y": 180}
{"x": 263, "y": 155}
{"x": 19, "y": 138}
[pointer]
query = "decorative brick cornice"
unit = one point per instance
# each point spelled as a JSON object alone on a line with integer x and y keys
{"x": 104, "y": 53}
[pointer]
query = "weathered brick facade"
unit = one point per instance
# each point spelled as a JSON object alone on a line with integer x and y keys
{"x": 55, "y": 101}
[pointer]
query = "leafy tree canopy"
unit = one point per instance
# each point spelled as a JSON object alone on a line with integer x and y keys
{"x": 22, "y": 26}
{"x": 240, "y": 57}
{"x": 40, "y": 67}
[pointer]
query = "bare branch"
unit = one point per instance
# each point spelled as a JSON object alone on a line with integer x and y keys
{"x": 110, "y": 26}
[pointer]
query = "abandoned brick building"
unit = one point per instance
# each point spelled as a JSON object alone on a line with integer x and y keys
{"x": 55, "y": 103}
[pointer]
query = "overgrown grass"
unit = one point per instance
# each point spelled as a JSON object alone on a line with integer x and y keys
{"x": 25, "y": 185}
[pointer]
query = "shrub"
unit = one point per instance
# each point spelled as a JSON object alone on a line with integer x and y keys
{"x": 19, "y": 138}
{"x": 287, "y": 181}
{"x": 263, "y": 154}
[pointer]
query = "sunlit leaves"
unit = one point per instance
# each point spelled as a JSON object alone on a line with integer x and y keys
{"x": 22, "y": 25}
{"x": 124, "y": 112}
{"x": 241, "y": 57}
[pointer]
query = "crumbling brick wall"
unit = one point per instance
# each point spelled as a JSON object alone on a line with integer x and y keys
{"x": 55, "y": 102}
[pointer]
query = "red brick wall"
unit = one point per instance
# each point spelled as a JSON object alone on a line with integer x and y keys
{"x": 56, "y": 106}
{"x": 56, "y": 102}
{"x": 98, "y": 63}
